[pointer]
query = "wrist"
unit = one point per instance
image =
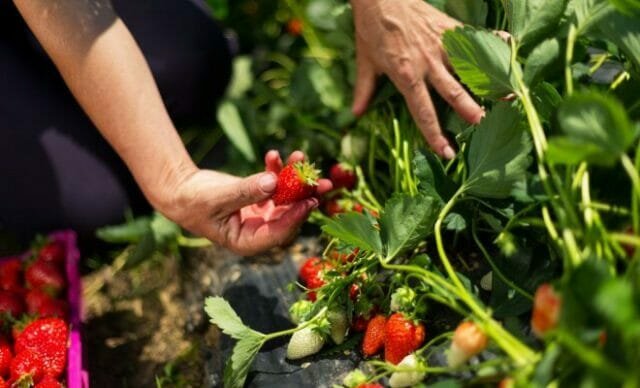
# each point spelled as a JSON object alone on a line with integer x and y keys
{"x": 162, "y": 187}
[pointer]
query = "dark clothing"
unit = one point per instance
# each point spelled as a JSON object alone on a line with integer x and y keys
{"x": 56, "y": 171}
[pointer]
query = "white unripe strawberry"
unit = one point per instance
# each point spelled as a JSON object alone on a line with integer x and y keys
{"x": 304, "y": 343}
{"x": 339, "y": 325}
{"x": 408, "y": 378}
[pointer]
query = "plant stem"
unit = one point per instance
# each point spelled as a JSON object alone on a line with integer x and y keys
{"x": 568, "y": 76}
{"x": 590, "y": 357}
{"x": 270, "y": 336}
{"x": 518, "y": 351}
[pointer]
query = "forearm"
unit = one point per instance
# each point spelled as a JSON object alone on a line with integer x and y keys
{"x": 108, "y": 75}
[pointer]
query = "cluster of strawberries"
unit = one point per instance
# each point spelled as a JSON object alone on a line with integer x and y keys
{"x": 397, "y": 335}
{"x": 33, "y": 310}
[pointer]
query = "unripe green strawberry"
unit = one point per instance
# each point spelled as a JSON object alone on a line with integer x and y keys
{"x": 408, "y": 378}
{"x": 468, "y": 340}
{"x": 304, "y": 343}
{"x": 296, "y": 182}
{"x": 339, "y": 325}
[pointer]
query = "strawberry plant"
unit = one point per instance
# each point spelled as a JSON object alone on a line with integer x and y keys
{"x": 526, "y": 240}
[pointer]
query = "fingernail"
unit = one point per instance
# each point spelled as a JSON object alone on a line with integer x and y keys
{"x": 448, "y": 152}
{"x": 267, "y": 182}
{"x": 315, "y": 203}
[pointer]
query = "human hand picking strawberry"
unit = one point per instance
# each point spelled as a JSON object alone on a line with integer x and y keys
{"x": 239, "y": 213}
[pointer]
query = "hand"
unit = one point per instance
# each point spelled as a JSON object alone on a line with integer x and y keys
{"x": 402, "y": 39}
{"x": 237, "y": 212}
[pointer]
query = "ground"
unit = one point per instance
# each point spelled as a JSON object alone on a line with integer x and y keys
{"x": 148, "y": 323}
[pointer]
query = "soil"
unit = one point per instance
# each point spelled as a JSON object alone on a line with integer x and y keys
{"x": 146, "y": 326}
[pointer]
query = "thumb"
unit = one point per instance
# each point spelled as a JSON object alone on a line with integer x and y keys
{"x": 248, "y": 191}
{"x": 365, "y": 85}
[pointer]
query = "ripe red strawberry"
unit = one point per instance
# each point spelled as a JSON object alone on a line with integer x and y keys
{"x": 53, "y": 252}
{"x": 296, "y": 182}
{"x": 6, "y": 356}
{"x": 41, "y": 304}
{"x": 26, "y": 368}
{"x": 48, "y": 338}
{"x": 4, "y": 383}
{"x": 342, "y": 176}
{"x": 312, "y": 274}
{"x": 11, "y": 303}
{"x": 402, "y": 337}
{"x": 370, "y": 385}
{"x": 11, "y": 275}
{"x": 294, "y": 27}
{"x": 546, "y": 310}
{"x": 45, "y": 276}
{"x": 49, "y": 382}
{"x": 310, "y": 269}
{"x": 333, "y": 207}
{"x": 374, "y": 336}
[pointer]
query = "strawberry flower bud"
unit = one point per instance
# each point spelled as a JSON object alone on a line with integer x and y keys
{"x": 402, "y": 299}
{"x": 300, "y": 311}
{"x": 304, "y": 343}
{"x": 468, "y": 340}
{"x": 409, "y": 377}
{"x": 547, "y": 305}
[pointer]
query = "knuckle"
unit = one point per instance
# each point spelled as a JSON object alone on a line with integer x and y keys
{"x": 408, "y": 77}
{"x": 426, "y": 117}
{"x": 454, "y": 94}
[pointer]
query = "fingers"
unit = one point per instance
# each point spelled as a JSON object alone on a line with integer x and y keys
{"x": 415, "y": 92}
{"x": 324, "y": 186}
{"x": 280, "y": 231}
{"x": 296, "y": 156}
{"x": 365, "y": 85}
{"x": 253, "y": 189}
{"x": 273, "y": 162}
{"x": 453, "y": 92}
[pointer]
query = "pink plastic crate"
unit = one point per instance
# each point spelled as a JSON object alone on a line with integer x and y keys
{"x": 77, "y": 375}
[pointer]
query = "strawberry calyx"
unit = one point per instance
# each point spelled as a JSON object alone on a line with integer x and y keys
{"x": 307, "y": 173}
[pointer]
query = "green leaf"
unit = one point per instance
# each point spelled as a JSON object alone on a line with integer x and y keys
{"x": 546, "y": 100}
{"x": 533, "y": 20}
{"x": 498, "y": 153}
{"x": 231, "y": 123}
{"x": 587, "y": 12}
{"x": 223, "y": 316}
{"x": 406, "y": 221}
{"x": 244, "y": 352}
{"x": 596, "y": 128}
{"x": 220, "y": 8}
{"x": 455, "y": 222}
{"x": 432, "y": 178}
{"x": 355, "y": 229}
{"x": 628, "y": 7}
{"x": 130, "y": 232}
{"x": 143, "y": 250}
{"x": 164, "y": 230}
{"x": 623, "y": 312}
{"x": 481, "y": 60}
{"x": 472, "y": 12}
{"x": 540, "y": 60}
{"x": 242, "y": 78}
{"x": 624, "y": 31}
{"x": 315, "y": 87}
